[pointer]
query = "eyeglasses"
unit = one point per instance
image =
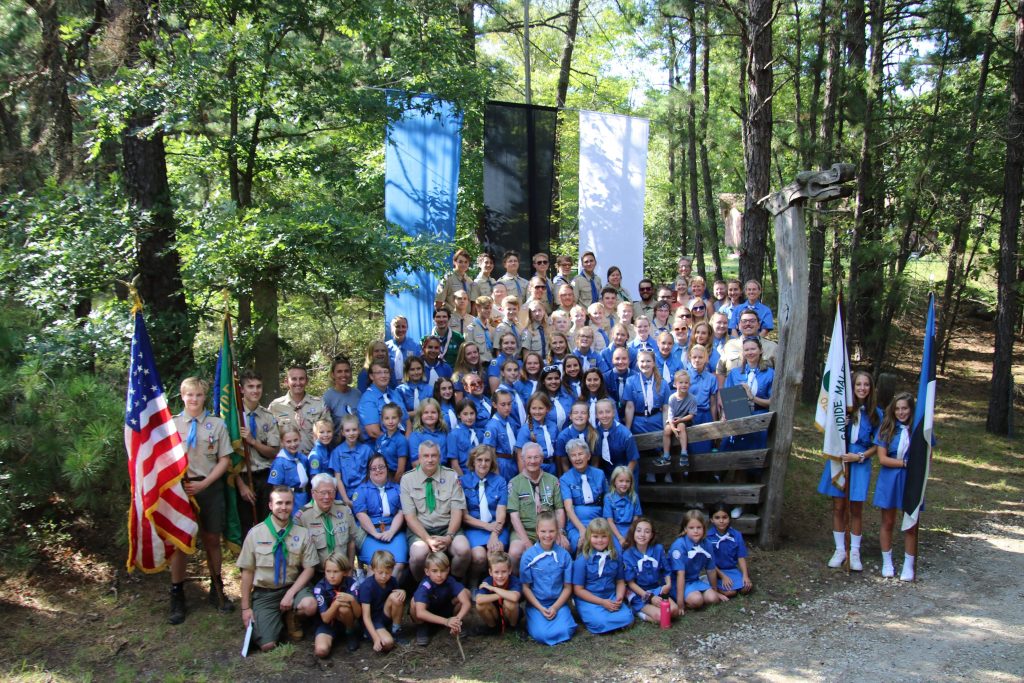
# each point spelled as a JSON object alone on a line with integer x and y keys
{"x": 552, "y": 368}
{"x": 699, "y": 308}
{"x": 379, "y": 468}
{"x": 540, "y": 263}
{"x": 646, "y": 289}
{"x": 685, "y": 316}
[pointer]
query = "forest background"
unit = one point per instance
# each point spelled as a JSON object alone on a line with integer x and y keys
{"x": 230, "y": 154}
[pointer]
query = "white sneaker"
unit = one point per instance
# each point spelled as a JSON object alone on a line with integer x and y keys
{"x": 737, "y": 512}
{"x": 838, "y": 557}
{"x": 908, "y": 572}
{"x": 888, "y": 571}
{"x": 855, "y": 563}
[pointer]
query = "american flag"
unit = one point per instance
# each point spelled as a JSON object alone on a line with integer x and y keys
{"x": 161, "y": 519}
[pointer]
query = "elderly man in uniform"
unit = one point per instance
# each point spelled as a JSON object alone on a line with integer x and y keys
{"x": 433, "y": 503}
{"x": 530, "y": 493}
{"x": 277, "y": 560}
{"x": 330, "y": 522}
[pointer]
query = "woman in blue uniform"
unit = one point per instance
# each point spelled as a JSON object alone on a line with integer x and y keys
{"x": 599, "y": 582}
{"x": 486, "y": 506}
{"x": 646, "y": 395}
{"x": 583, "y": 490}
{"x": 756, "y": 377}
{"x": 546, "y": 572}
{"x": 539, "y": 428}
{"x": 377, "y": 504}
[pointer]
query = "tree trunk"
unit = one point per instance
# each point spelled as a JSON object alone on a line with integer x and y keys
{"x": 757, "y": 139}
{"x": 466, "y": 12}
{"x": 691, "y": 130}
{"x": 145, "y": 179}
{"x": 965, "y": 206}
{"x": 677, "y": 176}
{"x": 865, "y": 262}
{"x": 816, "y": 244}
{"x": 57, "y": 125}
{"x": 561, "y": 92}
{"x": 1000, "y": 402}
{"x": 265, "y": 346}
{"x": 710, "y": 205}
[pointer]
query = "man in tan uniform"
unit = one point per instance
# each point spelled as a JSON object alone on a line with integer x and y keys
{"x": 732, "y": 353}
{"x": 298, "y": 407}
{"x": 433, "y": 503}
{"x": 206, "y": 441}
{"x": 259, "y": 430}
{"x": 330, "y": 522}
{"x": 278, "y": 560}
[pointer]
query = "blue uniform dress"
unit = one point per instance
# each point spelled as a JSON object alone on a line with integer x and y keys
{"x": 325, "y": 594}
{"x": 518, "y": 414}
{"x": 616, "y": 384}
{"x": 647, "y": 570}
{"x": 891, "y": 480}
{"x": 461, "y": 441}
{"x": 606, "y": 356}
{"x": 369, "y": 499}
{"x": 647, "y": 417}
{"x": 496, "y": 490}
{"x": 859, "y": 472}
{"x": 621, "y": 448}
{"x": 601, "y": 581}
{"x": 547, "y": 572}
{"x": 544, "y": 434}
{"x": 764, "y": 314}
{"x": 392, "y": 447}
{"x": 668, "y": 367}
{"x": 372, "y": 596}
{"x": 567, "y": 435}
{"x": 648, "y": 344}
{"x": 590, "y": 360}
{"x": 501, "y": 436}
{"x": 350, "y": 462}
{"x": 439, "y": 598}
{"x": 622, "y": 510}
{"x": 418, "y": 436}
{"x": 571, "y": 484}
{"x": 703, "y": 389}
{"x": 373, "y": 401}
{"x": 432, "y": 373}
{"x": 412, "y": 393}
{"x": 284, "y": 471}
{"x": 764, "y": 378}
{"x": 526, "y": 388}
{"x": 484, "y": 410}
{"x": 561, "y": 405}
{"x": 494, "y": 368}
{"x": 692, "y": 559}
{"x": 728, "y": 549}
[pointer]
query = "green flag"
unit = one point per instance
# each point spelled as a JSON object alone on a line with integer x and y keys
{"x": 228, "y": 408}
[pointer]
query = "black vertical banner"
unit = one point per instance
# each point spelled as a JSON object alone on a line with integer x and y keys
{"x": 519, "y": 153}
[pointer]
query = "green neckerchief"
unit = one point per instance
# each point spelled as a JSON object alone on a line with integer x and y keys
{"x": 431, "y": 501}
{"x": 329, "y": 527}
{"x": 280, "y": 550}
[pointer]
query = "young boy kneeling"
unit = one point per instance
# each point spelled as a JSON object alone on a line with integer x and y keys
{"x": 435, "y": 599}
{"x": 497, "y": 603}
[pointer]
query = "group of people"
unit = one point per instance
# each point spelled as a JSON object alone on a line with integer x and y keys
{"x": 492, "y": 464}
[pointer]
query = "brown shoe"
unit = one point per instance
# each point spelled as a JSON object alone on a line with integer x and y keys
{"x": 293, "y": 625}
{"x": 218, "y": 598}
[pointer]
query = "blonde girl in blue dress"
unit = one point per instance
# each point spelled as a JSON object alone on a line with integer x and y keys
{"x": 599, "y": 581}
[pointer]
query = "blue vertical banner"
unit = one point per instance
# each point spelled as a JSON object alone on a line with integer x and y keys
{"x": 421, "y": 180}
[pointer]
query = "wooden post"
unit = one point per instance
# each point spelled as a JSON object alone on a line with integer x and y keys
{"x": 791, "y": 321}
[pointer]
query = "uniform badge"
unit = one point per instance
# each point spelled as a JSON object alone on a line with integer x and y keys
{"x": 676, "y": 554}
{"x": 339, "y": 514}
{"x": 487, "y": 434}
{"x": 209, "y": 425}
{"x": 314, "y": 464}
{"x": 311, "y": 410}
{"x": 266, "y": 428}
{"x": 273, "y": 474}
{"x": 295, "y": 538}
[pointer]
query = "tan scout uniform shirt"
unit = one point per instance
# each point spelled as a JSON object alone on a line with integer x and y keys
{"x": 266, "y": 433}
{"x": 303, "y": 414}
{"x": 258, "y": 555}
{"x": 312, "y": 517}
{"x": 212, "y": 443}
{"x": 731, "y": 356}
{"x": 448, "y": 495}
{"x": 447, "y": 287}
{"x": 581, "y": 285}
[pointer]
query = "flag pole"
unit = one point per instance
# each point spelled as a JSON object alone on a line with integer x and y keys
{"x": 246, "y": 455}
{"x": 848, "y": 534}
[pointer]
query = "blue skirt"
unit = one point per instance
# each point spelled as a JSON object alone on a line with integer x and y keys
{"x": 699, "y": 585}
{"x": 553, "y": 632}
{"x": 748, "y": 442}
{"x": 397, "y": 547}
{"x": 860, "y": 481}
{"x": 737, "y": 578}
{"x": 643, "y": 424}
{"x": 587, "y": 514}
{"x": 703, "y": 416}
{"x": 599, "y": 620}
{"x": 508, "y": 467}
{"x": 479, "y": 537}
{"x": 889, "y": 488}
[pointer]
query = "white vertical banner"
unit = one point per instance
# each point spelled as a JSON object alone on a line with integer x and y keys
{"x": 613, "y": 174}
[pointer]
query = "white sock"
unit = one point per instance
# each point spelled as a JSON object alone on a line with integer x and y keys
{"x": 908, "y": 560}
{"x": 840, "y": 538}
{"x": 395, "y": 628}
{"x": 855, "y": 542}
{"x": 887, "y": 557}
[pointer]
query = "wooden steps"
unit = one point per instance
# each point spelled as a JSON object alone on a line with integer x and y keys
{"x": 747, "y": 524}
{"x": 721, "y": 461}
{"x": 681, "y": 494}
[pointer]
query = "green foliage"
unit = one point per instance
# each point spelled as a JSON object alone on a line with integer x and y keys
{"x": 61, "y": 451}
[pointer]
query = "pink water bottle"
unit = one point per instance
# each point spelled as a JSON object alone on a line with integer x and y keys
{"x": 666, "y": 613}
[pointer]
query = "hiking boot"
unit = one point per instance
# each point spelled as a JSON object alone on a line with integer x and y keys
{"x": 177, "y": 613}
{"x": 292, "y": 625}
{"x": 218, "y": 599}
{"x": 352, "y": 639}
{"x": 423, "y": 635}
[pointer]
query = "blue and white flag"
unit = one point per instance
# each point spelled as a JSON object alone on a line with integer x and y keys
{"x": 919, "y": 456}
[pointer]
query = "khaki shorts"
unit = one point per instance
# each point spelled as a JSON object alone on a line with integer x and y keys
{"x": 411, "y": 538}
{"x": 266, "y": 610}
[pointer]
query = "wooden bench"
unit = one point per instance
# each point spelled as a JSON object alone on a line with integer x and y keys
{"x": 666, "y": 501}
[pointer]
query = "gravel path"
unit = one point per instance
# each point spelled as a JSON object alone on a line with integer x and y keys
{"x": 963, "y": 620}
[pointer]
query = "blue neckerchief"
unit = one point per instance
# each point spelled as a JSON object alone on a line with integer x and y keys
{"x": 192, "y": 439}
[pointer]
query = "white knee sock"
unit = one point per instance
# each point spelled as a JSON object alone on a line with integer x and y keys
{"x": 855, "y": 541}
{"x": 840, "y": 538}
{"x": 908, "y": 560}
